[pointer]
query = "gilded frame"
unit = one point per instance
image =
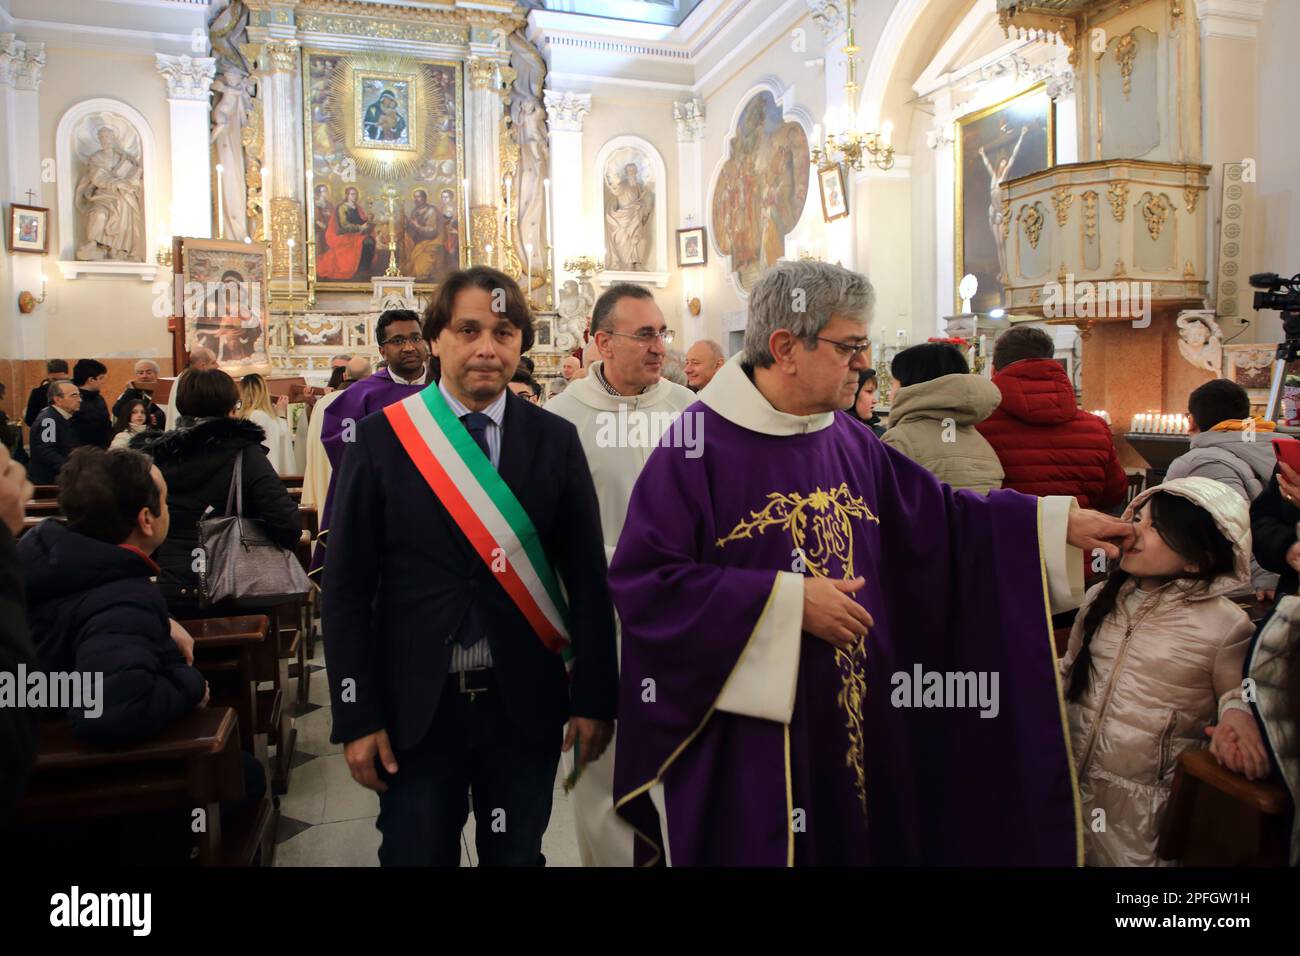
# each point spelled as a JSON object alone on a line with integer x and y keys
{"x": 373, "y": 168}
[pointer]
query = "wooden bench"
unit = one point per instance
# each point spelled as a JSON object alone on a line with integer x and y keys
{"x": 43, "y": 508}
{"x": 45, "y": 492}
{"x": 193, "y": 764}
{"x": 1216, "y": 817}
{"x": 236, "y": 654}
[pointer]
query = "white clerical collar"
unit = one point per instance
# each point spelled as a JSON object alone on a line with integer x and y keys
{"x": 62, "y": 411}
{"x": 733, "y": 396}
{"x": 496, "y": 411}
{"x": 418, "y": 380}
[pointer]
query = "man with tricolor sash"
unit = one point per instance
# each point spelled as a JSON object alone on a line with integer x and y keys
{"x": 466, "y": 613}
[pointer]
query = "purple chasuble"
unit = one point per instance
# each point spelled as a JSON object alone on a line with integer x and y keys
{"x": 956, "y": 585}
{"x": 372, "y": 394}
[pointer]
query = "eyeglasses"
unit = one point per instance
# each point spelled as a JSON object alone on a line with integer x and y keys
{"x": 415, "y": 338}
{"x": 848, "y": 350}
{"x": 645, "y": 338}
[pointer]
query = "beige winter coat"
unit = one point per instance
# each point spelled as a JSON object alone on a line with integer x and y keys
{"x": 1164, "y": 664}
{"x": 933, "y": 423}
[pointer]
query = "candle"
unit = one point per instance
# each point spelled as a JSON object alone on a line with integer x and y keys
{"x": 488, "y": 250}
{"x": 221, "y": 225}
{"x": 887, "y": 133}
{"x": 546, "y": 186}
{"x": 528, "y": 270}
{"x": 469, "y": 248}
{"x": 291, "y": 244}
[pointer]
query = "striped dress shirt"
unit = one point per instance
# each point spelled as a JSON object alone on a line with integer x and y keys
{"x": 479, "y": 655}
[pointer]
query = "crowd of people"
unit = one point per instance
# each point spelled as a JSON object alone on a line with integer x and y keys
{"x": 702, "y": 552}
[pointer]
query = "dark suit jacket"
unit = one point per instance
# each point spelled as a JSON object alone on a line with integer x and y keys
{"x": 48, "y": 456}
{"x": 93, "y": 423}
{"x": 401, "y": 575}
{"x": 1273, "y": 531}
{"x": 17, "y": 724}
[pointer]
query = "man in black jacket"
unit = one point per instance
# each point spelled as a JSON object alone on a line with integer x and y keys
{"x": 92, "y": 606}
{"x": 17, "y": 724}
{"x": 141, "y": 387}
{"x": 53, "y": 435}
{"x": 440, "y": 669}
{"x": 56, "y": 370}
{"x": 92, "y": 422}
{"x": 1273, "y": 517}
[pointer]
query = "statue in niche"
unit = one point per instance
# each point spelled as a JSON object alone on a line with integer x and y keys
{"x": 110, "y": 202}
{"x": 230, "y": 116}
{"x": 1200, "y": 341}
{"x": 629, "y": 203}
{"x": 529, "y": 130}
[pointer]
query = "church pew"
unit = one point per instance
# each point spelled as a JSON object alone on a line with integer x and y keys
{"x": 194, "y": 763}
{"x": 236, "y": 654}
{"x": 292, "y": 481}
{"x": 1216, "y": 817}
{"x": 45, "y": 492}
{"x": 42, "y": 509}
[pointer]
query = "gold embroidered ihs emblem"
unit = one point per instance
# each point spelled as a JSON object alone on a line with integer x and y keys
{"x": 820, "y": 526}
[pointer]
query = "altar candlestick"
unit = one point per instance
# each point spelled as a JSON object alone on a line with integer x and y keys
{"x": 291, "y": 243}
{"x": 528, "y": 271}
{"x": 221, "y": 218}
{"x": 469, "y": 245}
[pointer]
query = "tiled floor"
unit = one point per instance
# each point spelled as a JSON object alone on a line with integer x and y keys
{"x": 326, "y": 819}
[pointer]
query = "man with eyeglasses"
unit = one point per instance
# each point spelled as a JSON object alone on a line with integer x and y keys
{"x": 461, "y": 513}
{"x": 804, "y": 600}
{"x": 407, "y": 353}
{"x": 621, "y": 409}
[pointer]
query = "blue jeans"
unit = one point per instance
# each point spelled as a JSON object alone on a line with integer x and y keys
{"x": 471, "y": 744}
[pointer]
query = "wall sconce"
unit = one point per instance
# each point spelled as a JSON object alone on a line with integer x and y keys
{"x": 27, "y": 302}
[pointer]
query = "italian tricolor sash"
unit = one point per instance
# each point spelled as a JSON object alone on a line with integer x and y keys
{"x": 485, "y": 509}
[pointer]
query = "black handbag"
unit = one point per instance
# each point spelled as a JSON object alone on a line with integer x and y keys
{"x": 241, "y": 564}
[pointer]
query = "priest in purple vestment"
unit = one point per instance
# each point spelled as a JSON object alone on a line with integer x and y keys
{"x": 830, "y": 657}
{"x": 401, "y": 341}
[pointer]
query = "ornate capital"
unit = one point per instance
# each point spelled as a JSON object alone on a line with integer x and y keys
{"x": 566, "y": 111}
{"x": 21, "y": 63}
{"x": 280, "y": 56}
{"x": 689, "y": 115}
{"x": 829, "y": 15}
{"x": 187, "y": 77}
{"x": 482, "y": 74}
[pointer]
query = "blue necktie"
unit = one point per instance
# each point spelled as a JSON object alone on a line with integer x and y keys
{"x": 470, "y": 631}
{"x": 476, "y": 424}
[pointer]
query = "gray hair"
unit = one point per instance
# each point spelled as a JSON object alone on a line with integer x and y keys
{"x": 801, "y": 297}
{"x": 151, "y": 363}
{"x": 55, "y": 390}
{"x": 714, "y": 348}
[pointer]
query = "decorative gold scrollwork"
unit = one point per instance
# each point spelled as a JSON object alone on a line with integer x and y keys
{"x": 1155, "y": 210}
{"x": 1033, "y": 221}
{"x": 1062, "y": 199}
{"x": 1117, "y": 193}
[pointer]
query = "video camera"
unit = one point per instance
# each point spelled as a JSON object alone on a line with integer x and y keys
{"x": 1288, "y": 302}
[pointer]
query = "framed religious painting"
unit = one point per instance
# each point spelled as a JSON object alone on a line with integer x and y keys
{"x": 1014, "y": 138}
{"x": 835, "y": 203}
{"x": 692, "y": 250}
{"x": 27, "y": 229}
{"x": 375, "y": 121}
{"x": 222, "y": 293}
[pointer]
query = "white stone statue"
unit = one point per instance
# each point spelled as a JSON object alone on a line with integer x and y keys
{"x": 230, "y": 115}
{"x": 110, "y": 203}
{"x": 1200, "y": 341}
{"x": 528, "y": 127}
{"x": 574, "y": 303}
{"x": 629, "y": 203}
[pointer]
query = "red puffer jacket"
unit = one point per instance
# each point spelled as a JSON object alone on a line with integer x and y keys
{"x": 1046, "y": 443}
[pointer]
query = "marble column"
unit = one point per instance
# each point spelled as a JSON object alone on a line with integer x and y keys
{"x": 22, "y": 168}
{"x": 566, "y": 112}
{"x": 831, "y": 17}
{"x": 689, "y": 117}
{"x": 281, "y": 94}
{"x": 188, "y": 80}
{"x": 483, "y": 111}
